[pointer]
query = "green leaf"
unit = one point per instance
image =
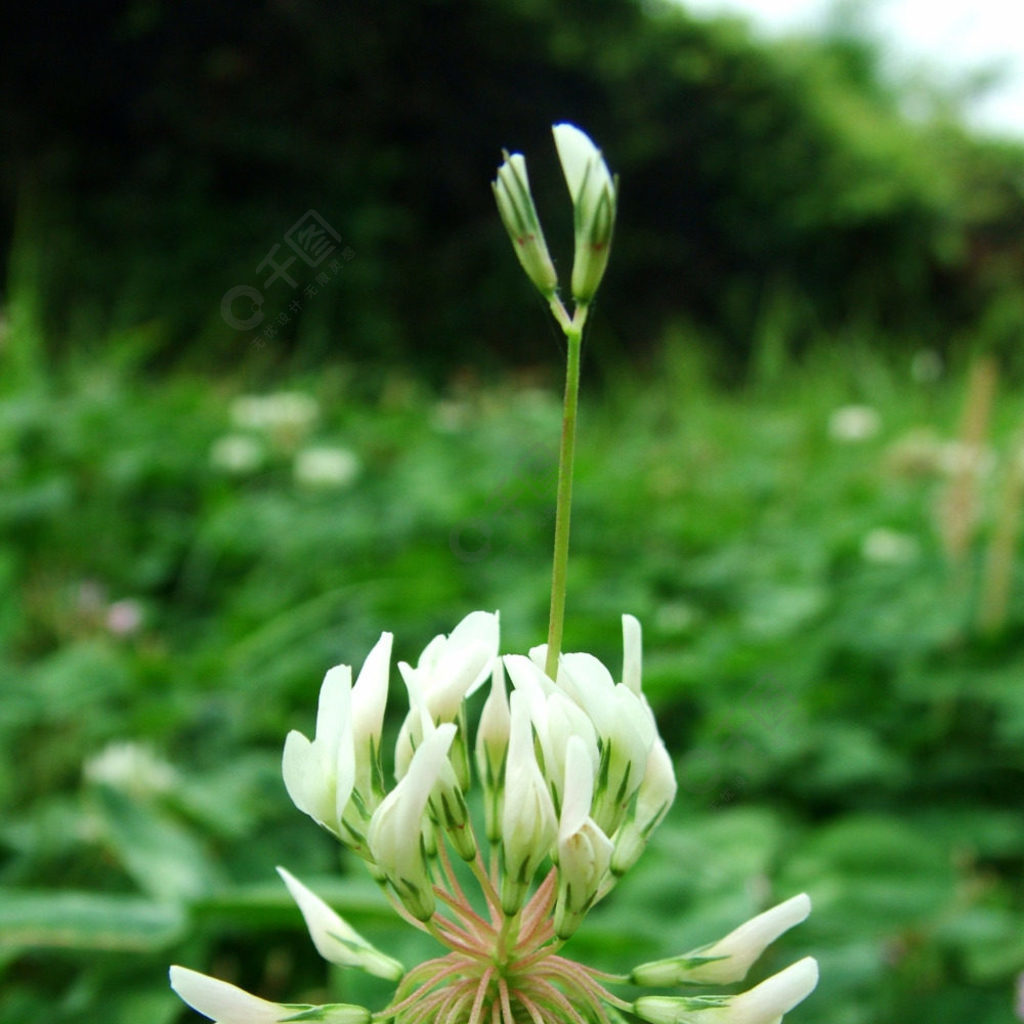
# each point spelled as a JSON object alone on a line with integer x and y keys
{"x": 87, "y": 921}
{"x": 159, "y": 854}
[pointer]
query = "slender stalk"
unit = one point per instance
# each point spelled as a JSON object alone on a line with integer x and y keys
{"x": 556, "y": 620}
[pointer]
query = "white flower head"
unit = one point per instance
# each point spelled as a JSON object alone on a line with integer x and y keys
{"x": 853, "y": 423}
{"x": 883, "y": 546}
{"x": 326, "y": 468}
{"x": 729, "y": 959}
{"x": 286, "y": 415}
{"x": 237, "y": 454}
{"x": 594, "y": 195}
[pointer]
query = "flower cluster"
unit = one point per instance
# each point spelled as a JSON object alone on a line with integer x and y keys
{"x": 572, "y": 779}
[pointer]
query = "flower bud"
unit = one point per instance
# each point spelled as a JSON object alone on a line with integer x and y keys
{"x": 519, "y": 215}
{"x": 729, "y": 959}
{"x": 594, "y": 196}
{"x": 448, "y": 804}
{"x": 395, "y": 835}
{"x": 335, "y": 940}
{"x": 491, "y": 747}
{"x": 764, "y": 1004}
{"x": 528, "y": 824}
{"x": 653, "y": 799}
{"x": 583, "y": 850}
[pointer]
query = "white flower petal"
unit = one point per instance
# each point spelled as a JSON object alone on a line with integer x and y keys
{"x": 632, "y": 653}
{"x": 467, "y": 660}
{"x": 529, "y": 825}
{"x": 585, "y": 679}
{"x": 579, "y": 788}
{"x": 745, "y": 944}
{"x": 394, "y": 832}
{"x": 370, "y": 693}
{"x": 768, "y": 1002}
{"x": 493, "y": 729}
{"x": 333, "y": 705}
{"x": 581, "y": 160}
{"x": 527, "y": 675}
{"x": 222, "y": 1002}
{"x": 303, "y": 779}
{"x": 335, "y": 940}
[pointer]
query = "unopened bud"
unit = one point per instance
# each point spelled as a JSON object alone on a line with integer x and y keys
{"x": 594, "y": 195}
{"x": 515, "y": 204}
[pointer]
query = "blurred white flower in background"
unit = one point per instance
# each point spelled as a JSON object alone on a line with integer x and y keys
{"x": 326, "y": 468}
{"x": 926, "y": 366}
{"x": 449, "y": 416}
{"x": 956, "y": 457}
{"x": 883, "y": 546}
{"x": 676, "y": 617}
{"x": 852, "y": 423}
{"x": 237, "y": 454}
{"x": 918, "y": 453}
{"x": 131, "y": 767}
{"x": 286, "y": 416}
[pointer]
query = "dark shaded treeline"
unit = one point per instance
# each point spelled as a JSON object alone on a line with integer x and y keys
{"x": 159, "y": 151}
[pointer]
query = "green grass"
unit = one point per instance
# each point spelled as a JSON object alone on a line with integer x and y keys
{"x": 840, "y": 724}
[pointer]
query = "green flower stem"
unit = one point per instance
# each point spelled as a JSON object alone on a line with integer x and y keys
{"x": 560, "y": 313}
{"x": 574, "y": 335}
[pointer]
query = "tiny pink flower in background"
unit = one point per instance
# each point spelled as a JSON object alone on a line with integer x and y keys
{"x": 124, "y": 618}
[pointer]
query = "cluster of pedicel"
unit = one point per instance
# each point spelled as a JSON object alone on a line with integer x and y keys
{"x": 498, "y": 840}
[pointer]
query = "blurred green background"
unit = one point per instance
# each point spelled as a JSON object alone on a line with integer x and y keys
{"x": 800, "y": 465}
